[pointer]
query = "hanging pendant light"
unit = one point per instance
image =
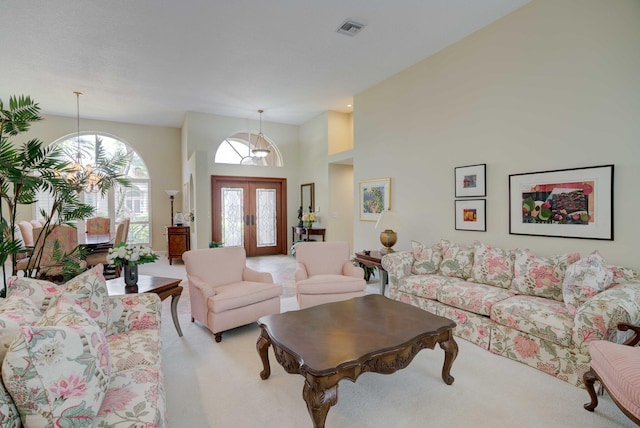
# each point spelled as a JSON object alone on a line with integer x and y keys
{"x": 259, "y": 151}
{"x": 80, "y": 172}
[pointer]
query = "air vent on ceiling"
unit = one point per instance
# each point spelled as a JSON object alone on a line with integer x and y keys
{"x": 350, "y": 28}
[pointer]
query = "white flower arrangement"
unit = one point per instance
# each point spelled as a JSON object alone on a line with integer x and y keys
{"x": 125, "y": 254}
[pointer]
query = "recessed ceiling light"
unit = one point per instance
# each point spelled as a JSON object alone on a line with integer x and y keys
{"x": 349, "y": 28}
{"x": 349, "y": 105}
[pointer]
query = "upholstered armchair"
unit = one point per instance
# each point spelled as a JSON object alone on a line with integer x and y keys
{"x": 61, "y": 238}
{"x": 324, "y": 273}
{"x": 617, "y": 367}
{"x": 224, "y": 292}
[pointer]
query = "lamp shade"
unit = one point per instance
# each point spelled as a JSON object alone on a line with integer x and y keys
{"x": 172, "y": 192}
{"x": 387, "y": 221}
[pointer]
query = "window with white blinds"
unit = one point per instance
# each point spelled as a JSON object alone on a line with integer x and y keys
{"x": 118, "y": 203}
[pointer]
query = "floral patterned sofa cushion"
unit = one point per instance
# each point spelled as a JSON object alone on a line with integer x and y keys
{"x": 457, "y": 260}
{"x": 540, "y": 276}
{"x": 493, "y": 266}
{"x": 584, "y": 279}
{"x": 544, "y": 318}
{"x": 136, "y": 398}
{"x": 472, "y": 297}
{"x": 427, "y": 259}
{"x": 424, "y": 285}
{"x": 58, "y": 374}
{"x": 89, "y": 290}
{"x": 39, "y": 291}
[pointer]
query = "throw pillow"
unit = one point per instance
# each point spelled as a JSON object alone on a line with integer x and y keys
{"x": 492, "y": 266}
{"x": 15, "y": 311}
{"x": 457, "y": 260}
{"x": 58, "y": 374}
{"x": 89, "y": 290}
{"x": 540, "y": 276}
{"x": 39, "y": 291}
{"x": 584, "y": 279}
{"x": 427, "y": 259}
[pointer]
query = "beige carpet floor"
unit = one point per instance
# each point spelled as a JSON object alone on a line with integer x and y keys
{"x": 218, "y": 384}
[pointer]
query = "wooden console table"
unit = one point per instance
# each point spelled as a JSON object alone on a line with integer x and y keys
{"x": 178, "y": 241}
{"x": 305, "y": 231}
{"x": 374, "y": 259}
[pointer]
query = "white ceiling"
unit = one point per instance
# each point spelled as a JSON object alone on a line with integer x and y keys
{"x": 150, "y": 61}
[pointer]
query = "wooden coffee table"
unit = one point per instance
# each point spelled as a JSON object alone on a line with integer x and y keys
{"x": 329, "y": 342}
{"x": 163, "y": 287}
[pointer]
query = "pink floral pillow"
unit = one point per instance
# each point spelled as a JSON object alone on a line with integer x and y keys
{"x": 89, "y": 290}
{"x": 457, "y": 260}
{"x": 540, "y": 276}
{"x": 39, "y": 291}
{"x": 492, "y": 266}
{"x": 15, "y": 311}
{"x": 584, "y": 279}
{"x": 427, "y": 259}
{"x": 58, "y": 374}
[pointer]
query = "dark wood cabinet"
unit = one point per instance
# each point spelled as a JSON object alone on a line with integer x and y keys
{"x": 178, "y": 241}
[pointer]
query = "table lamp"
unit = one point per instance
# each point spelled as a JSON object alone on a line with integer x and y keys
{"x": 386, "y": 223}
{"x": 172, "y": 194}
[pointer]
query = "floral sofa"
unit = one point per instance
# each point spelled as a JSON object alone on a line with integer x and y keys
{"x": 541, "y": 311}
{"x": 73, "y": 356}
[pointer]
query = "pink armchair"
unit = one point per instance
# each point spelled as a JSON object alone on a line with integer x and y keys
{"x": 617, "y": 367}
{"x": 324, "y": 273}
{"x": 224, "y": 292}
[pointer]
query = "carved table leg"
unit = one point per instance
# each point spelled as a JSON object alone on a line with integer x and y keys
{"x": 263, "y": 350}
{"x": 174, "y": 311}
{"x": 319, "y": 401}
{"x": 589, "y": 379}
{"x": 450, "y": 348}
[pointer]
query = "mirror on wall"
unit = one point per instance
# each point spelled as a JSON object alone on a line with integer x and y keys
{"x": 307, "y": 197}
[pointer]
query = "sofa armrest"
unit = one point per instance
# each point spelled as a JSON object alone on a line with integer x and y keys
{"x": 633, "y": 340}
{"x": 599, "y": 316}
{"x": 249, "y": 274}
{"x": 135, "y": 312}
{"x": 301, "y": 272}
{"x": 397, "y": 265}
{"x": 348, "y": 269}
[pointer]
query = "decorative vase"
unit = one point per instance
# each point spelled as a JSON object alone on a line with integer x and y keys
{"x": 130, "y": 274}
{"x": 309, "y": 224}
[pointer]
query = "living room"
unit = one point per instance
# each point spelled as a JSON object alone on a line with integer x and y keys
{"x": 552, "y": 85}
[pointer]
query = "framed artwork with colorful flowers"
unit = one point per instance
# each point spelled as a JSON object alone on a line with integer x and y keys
{"x": 375, "y": 197}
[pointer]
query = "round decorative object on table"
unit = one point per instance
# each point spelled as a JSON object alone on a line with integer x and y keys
{"x": 130, "y": 274}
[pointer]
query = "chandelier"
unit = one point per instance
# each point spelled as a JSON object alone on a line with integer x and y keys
{"x": 79, "y": 173}
{"x": 259, "y": 151}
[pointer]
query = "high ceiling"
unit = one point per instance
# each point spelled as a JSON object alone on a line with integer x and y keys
{"x": 150, "y": 61}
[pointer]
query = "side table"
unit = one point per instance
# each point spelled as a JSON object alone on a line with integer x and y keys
{"x": 302, "y": 231}
{"x": 374, "y": 258}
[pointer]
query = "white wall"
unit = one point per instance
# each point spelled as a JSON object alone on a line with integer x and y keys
{"x": 159, "y": 147}
{"x": 553, "y": 85}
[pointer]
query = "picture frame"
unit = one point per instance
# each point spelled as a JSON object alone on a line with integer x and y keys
{"x": 471, "y": 214}
{"x": 563, "y": 203}
{"x": 375, "y": 196}
{"x": 470, "y": 180}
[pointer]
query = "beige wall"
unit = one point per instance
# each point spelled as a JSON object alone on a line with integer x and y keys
{"x": 553, "y": 85}
{"x": 159, "y": 147}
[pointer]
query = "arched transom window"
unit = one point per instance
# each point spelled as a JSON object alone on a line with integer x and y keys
{"x": 238, "y": 149}
{"x": 119, "y": 203}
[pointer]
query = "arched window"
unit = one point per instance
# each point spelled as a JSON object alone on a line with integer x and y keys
{"x": 131, "y": 202}
{"x": 237, "y": 148}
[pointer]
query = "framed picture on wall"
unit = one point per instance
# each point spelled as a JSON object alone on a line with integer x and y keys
{"x": 470, "y": 180}
{"x": 565, "y": 203}
{"x": 471, "y": 214}
{"x": 375, "y": 197}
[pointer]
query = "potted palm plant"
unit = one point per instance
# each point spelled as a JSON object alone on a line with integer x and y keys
{"x": 34, "y": 167}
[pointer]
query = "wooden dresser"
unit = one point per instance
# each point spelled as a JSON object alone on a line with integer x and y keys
{"x": 178, "y": 241}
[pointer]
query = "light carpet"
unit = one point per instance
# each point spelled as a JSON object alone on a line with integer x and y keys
{"x": 213, "y": 384}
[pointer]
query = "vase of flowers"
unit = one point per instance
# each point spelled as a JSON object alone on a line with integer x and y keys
{"x": 130, "y": 256}
{"x": 309, "y": 219}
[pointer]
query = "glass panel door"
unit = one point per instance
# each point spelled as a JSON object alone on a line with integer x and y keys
{"x": 232, "y": 203}
{"x": 266, "y": 225}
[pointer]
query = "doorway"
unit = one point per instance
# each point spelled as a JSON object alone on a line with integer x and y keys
{"x": 250, "y": 212}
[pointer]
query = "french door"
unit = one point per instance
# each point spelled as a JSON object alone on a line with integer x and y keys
{"x": 250, "y": 212}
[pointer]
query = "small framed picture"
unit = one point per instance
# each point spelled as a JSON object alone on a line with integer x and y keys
{"x": 471, "y": 214}
{"x": 471, "y": 180}
{"x": 375, "y": 197}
